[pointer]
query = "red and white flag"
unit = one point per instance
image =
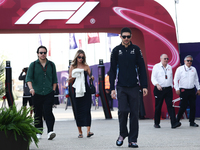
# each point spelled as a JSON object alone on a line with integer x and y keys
{"x": 93, "y": 38}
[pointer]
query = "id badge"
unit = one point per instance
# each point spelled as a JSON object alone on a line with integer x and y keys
{"x": 165, "y": 76}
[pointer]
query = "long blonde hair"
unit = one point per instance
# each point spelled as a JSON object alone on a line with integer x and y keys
{"x": 74, "y": 62}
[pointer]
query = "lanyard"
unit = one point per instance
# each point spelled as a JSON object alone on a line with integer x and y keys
{"x": 165, "y": 70}
{"x": 187, "y": 70}
{"x": 44, "y": 69}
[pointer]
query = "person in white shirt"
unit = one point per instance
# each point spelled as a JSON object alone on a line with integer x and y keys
{"x": 185, "y": 81}
{"x": 161, "y": 78}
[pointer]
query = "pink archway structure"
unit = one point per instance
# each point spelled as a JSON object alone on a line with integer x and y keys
{"x": 152, "y": 27}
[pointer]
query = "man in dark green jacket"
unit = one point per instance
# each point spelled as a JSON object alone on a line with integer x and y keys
{"x": 42, "y": 80}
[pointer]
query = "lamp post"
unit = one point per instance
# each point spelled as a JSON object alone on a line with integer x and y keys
{"x": 176, "y": 2}
{"x": 177, "y": 33}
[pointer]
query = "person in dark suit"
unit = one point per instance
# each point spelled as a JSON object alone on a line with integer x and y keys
{"x": 108, "y": 92}
{"x": 26, "y": 94}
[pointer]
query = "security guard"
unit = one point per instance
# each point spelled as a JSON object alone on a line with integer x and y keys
{"x": 108, "y": 92}
{"x": 185, "y": 81}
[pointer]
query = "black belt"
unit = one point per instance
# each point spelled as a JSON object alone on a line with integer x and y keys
{"x": 187, "y": 89}
{"x": 166, "y": 87}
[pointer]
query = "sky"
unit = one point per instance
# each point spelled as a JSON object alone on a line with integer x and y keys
{"x": 186, "y": 17}
{"x": 22, "y": 49}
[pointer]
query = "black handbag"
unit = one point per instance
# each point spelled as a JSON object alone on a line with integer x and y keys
{"x": 92, "y": 87}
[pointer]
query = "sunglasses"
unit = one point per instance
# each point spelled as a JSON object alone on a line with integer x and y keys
{"x": 124, "y": 37}
{"x": 166, "y": 58}
{"x": 189, "y": 60}
{"x": 43, "y": 53}
{"x": 79, "y": 57}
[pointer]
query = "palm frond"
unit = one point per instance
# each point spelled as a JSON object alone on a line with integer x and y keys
{"x": 2, "y": 78}
{"x": 19, "y": 122}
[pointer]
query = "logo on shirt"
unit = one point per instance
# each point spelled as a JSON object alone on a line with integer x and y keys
{"x": 141, "y": 53}
{"x": 133, "y": 51}
{"x": 182, "y": 90}
{"x": 120, "y": 52}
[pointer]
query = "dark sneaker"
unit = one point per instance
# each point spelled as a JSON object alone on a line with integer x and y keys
{"x": 177, "y": 124}
{"x": 156, "y": 126}
{"x": 194, "y": 125}
{"x": 119, "y": 141}
{"x": 133, "y": 145}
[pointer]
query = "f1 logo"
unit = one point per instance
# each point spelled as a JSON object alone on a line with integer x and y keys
{"x": 74, "y": 11}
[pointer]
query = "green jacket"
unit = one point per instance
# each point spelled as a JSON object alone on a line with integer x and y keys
{"x": 42, "y": 82}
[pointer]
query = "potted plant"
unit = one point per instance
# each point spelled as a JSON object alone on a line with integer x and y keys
{"x": 17, "y": 129}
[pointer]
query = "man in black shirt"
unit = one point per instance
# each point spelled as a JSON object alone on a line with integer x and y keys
{"x": 126, "y": 57}
{"x": 27, "y": 94}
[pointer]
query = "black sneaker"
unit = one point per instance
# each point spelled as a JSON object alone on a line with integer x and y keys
{"x": 119, "y": 141}
{"x": 133, "y": 145}
{"x": 177, "y": 124}
{"x": 194, "y": 124}
{"x": 156, "y": 126}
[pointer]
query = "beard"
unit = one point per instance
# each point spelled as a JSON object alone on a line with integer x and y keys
{"x": 126, "y": 42}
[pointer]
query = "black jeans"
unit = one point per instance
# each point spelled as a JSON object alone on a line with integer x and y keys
{"x": 43, "y": 106}
{"x": 128, "y": 104}
{"x": 166, "y": 94}
{"x": 188, "y": 96}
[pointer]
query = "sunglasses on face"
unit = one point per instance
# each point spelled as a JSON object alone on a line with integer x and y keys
{"x": 79, "y": 57}
{"x": 43, "y": 53}
{"x": 124, "y": 37}
{"x": 189, "y": 60}
{"x": 166, "y": 58}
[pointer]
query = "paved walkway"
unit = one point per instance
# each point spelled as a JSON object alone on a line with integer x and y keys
{"x": 106, "y": 133}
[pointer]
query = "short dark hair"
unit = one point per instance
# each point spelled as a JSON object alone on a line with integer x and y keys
{"x": 125, "y": 29}
{"x": 41, "y": 47}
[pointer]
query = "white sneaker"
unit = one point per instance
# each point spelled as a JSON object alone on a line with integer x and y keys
{"x": 38, "y": 136}
{"x": 51, "y": 135}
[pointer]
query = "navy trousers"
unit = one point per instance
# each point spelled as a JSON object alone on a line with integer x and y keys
{"x": 188, "y": 96}
{"x": 166, "y": 94}
{"x": 128, "y": 106}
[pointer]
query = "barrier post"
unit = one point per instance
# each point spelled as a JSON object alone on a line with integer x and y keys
{"x": 8, "y": 84}
{"x": 102, "y": 93}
